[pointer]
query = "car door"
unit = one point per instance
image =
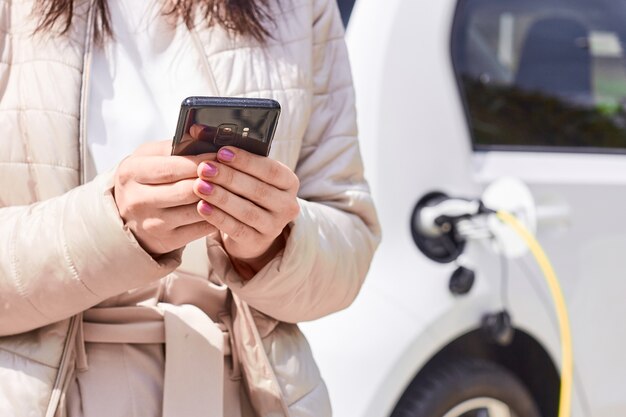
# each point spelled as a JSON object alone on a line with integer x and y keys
{"x": 543, "y": 83}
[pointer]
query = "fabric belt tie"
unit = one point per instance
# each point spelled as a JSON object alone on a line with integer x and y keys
{"x": 194, "y": 347}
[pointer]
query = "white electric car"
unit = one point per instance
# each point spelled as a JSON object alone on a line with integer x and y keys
{"x": 454, "y": 95}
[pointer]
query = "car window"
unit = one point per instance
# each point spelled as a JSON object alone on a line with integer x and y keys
{"x": 543, "y": 74}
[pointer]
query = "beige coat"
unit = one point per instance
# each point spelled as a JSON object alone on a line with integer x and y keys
{"x": 64, "y": 248}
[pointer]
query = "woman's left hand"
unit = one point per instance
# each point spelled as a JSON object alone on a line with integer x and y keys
{"x": 250, "y": 199}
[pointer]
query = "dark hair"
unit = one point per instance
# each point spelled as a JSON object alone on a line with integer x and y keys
{"x": 245, "y": 17}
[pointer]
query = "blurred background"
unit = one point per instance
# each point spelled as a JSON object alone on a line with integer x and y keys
{"x": 509, "y": 105}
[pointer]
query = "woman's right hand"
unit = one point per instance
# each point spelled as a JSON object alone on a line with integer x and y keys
{"x": 154, "y": 195}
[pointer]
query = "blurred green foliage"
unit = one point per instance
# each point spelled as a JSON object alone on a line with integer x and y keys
{"x": 506, "y": 115}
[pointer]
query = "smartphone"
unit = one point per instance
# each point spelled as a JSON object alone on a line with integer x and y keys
{"x": 205, "y": 124}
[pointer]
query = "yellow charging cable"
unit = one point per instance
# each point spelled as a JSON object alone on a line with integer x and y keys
{"x": 567, "y": 366}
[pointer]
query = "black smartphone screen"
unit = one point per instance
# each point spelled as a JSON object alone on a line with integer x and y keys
{"x": 205, "y": 124}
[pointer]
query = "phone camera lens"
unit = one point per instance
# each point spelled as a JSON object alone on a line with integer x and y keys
{"x": 226, "y": 134}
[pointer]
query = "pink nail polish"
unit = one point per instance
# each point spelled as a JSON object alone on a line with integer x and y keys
{"x": 209, "y": 170}
{"x": 205, "y": 208}
{"x": 205, "y": 187}
{"x": 226, "y": 154}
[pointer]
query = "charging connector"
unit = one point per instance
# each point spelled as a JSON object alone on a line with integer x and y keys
{"x": 441, "y": 226}
{"x": 437, "y": 228}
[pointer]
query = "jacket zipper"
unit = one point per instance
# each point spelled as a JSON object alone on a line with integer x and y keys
{"x": 75, "y": 322}
{"x": 64, "y": 365}
{"x": 84, "y": 93}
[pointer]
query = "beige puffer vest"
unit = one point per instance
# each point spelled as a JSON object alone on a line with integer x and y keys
{"x": 63, "y": 247}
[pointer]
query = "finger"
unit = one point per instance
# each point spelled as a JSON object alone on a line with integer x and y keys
{"x": 247, "y": 186}
{"x": 167, "y": 195}
{"x": 191, "y": 232}
{"x": 162, "y": 169}
{"x": 236, "y": 207}
{"x": 176, "y": 217}
{"x": 234, "y": 228}
{"x": 164, "y": 222}
{"x": 266, "y": 169}
{"x": 202, "y": 132}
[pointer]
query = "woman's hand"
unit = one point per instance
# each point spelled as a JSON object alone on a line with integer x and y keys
{"x": 250, "y": 199}
{"x": 154, "y": 195}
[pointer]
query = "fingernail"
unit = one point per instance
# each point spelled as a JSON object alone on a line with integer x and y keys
{"x": 205, "y": 208}
{"x": 209, "y": 170}
{"x": 226, "y": 154}
{"x": 205, "y": 187}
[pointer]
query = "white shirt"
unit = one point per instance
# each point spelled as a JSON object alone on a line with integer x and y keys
{"x": 138, "y": 81}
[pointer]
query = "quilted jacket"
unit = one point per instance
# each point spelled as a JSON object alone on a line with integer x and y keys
{"x": 63, "y": 245}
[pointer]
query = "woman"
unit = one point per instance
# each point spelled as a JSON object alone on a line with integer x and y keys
{"x": 99, "y": 316}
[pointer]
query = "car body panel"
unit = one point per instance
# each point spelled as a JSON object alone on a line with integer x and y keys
{"x": 415, "y": 139}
